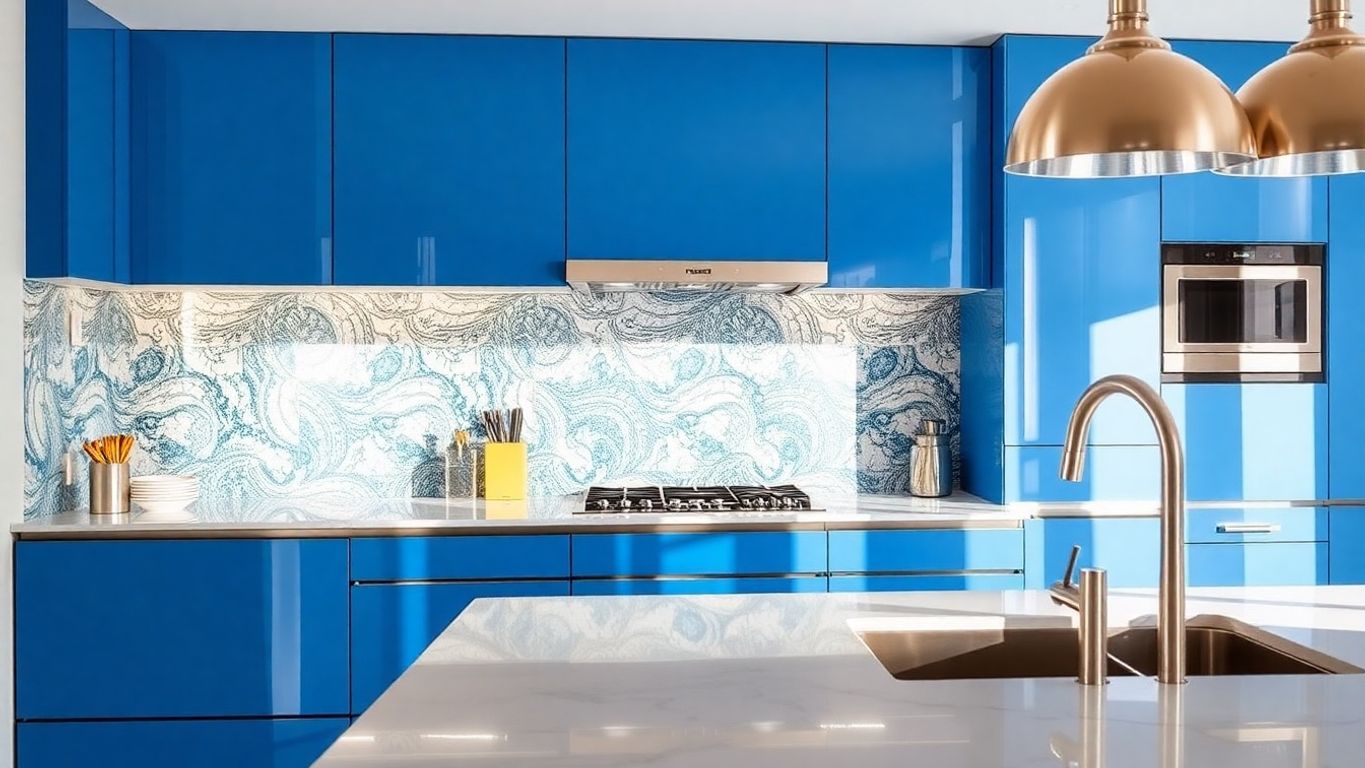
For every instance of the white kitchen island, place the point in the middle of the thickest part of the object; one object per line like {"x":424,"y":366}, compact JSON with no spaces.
{"x":783,"y":680}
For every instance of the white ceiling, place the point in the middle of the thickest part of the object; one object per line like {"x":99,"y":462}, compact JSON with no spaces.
{"x":901,"y":21}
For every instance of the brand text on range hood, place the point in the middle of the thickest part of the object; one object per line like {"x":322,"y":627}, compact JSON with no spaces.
{"x":606,"y":275}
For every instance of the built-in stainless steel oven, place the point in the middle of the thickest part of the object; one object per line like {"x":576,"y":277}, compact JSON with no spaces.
{"x":1241,"y":312}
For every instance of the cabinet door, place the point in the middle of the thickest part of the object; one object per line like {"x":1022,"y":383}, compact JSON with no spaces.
{"x":909,"y":166}
{"x":1261,"y":442}
{"x":91,"y":98}
{"x":198,"y":743}
{"x":449,"y":160}
{"x":198,"y":628}
{"x":232,"y":157}
{"x":699,"y":554}
{"x":1112,"y":473}
{"x":984,"y":582}
{"x":1346,"y":339}
{"x":926,"y":551}
{"x":1205,"y":207}
{"x":1128,"y":547}
{"x":1347,"y":552}
{"x":1082,"y":267}
{"x":393,"y":623}
{"x":697,"y":150}
{"x":735,"y":586}
{"x":1255,"y":565}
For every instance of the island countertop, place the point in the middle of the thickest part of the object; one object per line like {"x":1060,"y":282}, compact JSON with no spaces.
{"x":783,"y":680}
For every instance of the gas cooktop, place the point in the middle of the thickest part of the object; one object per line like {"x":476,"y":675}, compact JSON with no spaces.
{"x":713,"y":498}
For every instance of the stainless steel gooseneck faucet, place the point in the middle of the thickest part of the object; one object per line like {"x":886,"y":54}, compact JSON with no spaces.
{"x":1170,"y":619}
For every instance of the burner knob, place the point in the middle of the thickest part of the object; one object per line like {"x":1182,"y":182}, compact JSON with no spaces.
{"x":788,"y":504}
{"x":717,"y":504}
{"x":746,"y":504}
{"x":623,"y":504}
{"x":674,"y":504}
{"x":761,"y":503}
{"x":603,"y":504}
{"x":696,"y":504}
{"x":646,"y":505}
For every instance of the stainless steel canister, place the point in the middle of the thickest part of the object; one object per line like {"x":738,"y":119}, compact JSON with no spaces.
{"x":931,"y":461}
{"x":109,"y":489}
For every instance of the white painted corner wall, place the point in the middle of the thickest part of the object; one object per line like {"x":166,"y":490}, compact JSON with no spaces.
{"x":12,"y":241}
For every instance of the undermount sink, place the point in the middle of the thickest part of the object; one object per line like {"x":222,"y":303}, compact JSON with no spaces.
{"x":991,"y":648}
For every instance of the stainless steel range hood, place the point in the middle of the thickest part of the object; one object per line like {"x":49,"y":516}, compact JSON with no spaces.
{"x":610,"y":275}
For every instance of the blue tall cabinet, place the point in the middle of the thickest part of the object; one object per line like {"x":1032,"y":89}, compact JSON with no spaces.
{"x":1075,"y":279}
{"x":702,"y":150}
{"x":449,"y":160}
{"x":231,"y":144}
{"x":1346,"y":340}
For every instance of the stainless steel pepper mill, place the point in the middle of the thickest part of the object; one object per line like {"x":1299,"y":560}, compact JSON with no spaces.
{"x":931,"y":461}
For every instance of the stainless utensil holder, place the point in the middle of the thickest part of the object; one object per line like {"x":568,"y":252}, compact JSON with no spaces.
{"x":109,"y":489}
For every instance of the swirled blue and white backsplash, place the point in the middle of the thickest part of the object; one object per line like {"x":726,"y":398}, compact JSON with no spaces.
{"x":355,"y":394}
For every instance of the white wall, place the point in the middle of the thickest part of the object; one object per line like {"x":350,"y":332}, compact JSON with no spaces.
{"x":11,"y":339}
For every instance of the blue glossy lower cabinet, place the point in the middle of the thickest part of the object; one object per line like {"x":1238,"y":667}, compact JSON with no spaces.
{"x":281,"y":743}
{"x":391,"y":624}
{"x":1256,"y":565}
{"x":719,"y":586}
{"x":756,"y":553}
{"x":1347,"y":558}
{"x":203,"y":628}
{"x":921,"y":551}
{"x":1128,"y":547}
{"x":929,"y":583}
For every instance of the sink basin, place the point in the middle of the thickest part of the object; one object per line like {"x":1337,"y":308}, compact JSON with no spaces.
{"x":1215,"y":645}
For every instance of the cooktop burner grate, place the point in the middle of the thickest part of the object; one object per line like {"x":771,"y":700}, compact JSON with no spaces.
{"x":712,"y":498}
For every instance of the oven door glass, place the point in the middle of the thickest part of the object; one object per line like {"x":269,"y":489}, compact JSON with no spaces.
{"x":1243,"y":311}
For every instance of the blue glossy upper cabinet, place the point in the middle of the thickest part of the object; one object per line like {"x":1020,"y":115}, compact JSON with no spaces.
{"x":1081,"y":269}
{"x":449,"y":160}
{"x":1346,"y":340}
{"x":1205,"y":207}
{"x":909,"y":166}
{"x":96,"y":145}
{"x":231,"y":150}
{"x":696,"y":150}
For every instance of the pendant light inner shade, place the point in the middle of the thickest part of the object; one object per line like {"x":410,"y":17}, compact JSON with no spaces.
{"x":1129,"y":107}
{"x":1308,"y":108}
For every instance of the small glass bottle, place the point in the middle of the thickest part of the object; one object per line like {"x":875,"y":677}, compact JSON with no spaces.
{"x":462,"y":471}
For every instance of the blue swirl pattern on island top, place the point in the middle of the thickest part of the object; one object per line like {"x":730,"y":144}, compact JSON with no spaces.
{"x":354,"y":394}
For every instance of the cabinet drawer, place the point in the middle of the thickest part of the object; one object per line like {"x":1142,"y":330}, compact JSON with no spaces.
{"x":393,"y":623}
{"x":926,"y":551}
{"x":1253,"y":565}
{"x":738,"y":586}
{"x":205,"y":628}
{"x":279,"y":743}
{"x":987,"y":582}
{"x":459,"y":557}
{"x":698,"y":554}
{"x":1252,"y":524}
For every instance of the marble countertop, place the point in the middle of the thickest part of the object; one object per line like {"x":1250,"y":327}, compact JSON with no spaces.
{"x":783,"y":680}
{"x":330,"y":517}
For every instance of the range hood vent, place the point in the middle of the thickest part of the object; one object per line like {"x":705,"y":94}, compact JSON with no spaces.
{"x":610,"y":275}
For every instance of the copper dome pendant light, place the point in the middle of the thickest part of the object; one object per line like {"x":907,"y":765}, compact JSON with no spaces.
{"x":1129,"y":107}
{"x":1308,"y":108}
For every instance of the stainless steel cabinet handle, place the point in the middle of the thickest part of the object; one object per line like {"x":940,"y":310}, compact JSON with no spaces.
{"x":1248,"y":528}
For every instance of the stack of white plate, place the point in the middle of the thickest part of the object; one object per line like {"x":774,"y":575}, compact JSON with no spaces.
{"x":164,"y":495}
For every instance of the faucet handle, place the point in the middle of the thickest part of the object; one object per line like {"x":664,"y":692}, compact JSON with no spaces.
{"x":1071,"y":566}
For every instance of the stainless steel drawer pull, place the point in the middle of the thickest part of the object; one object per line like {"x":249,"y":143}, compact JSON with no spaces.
{"x":1248,"y":528}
